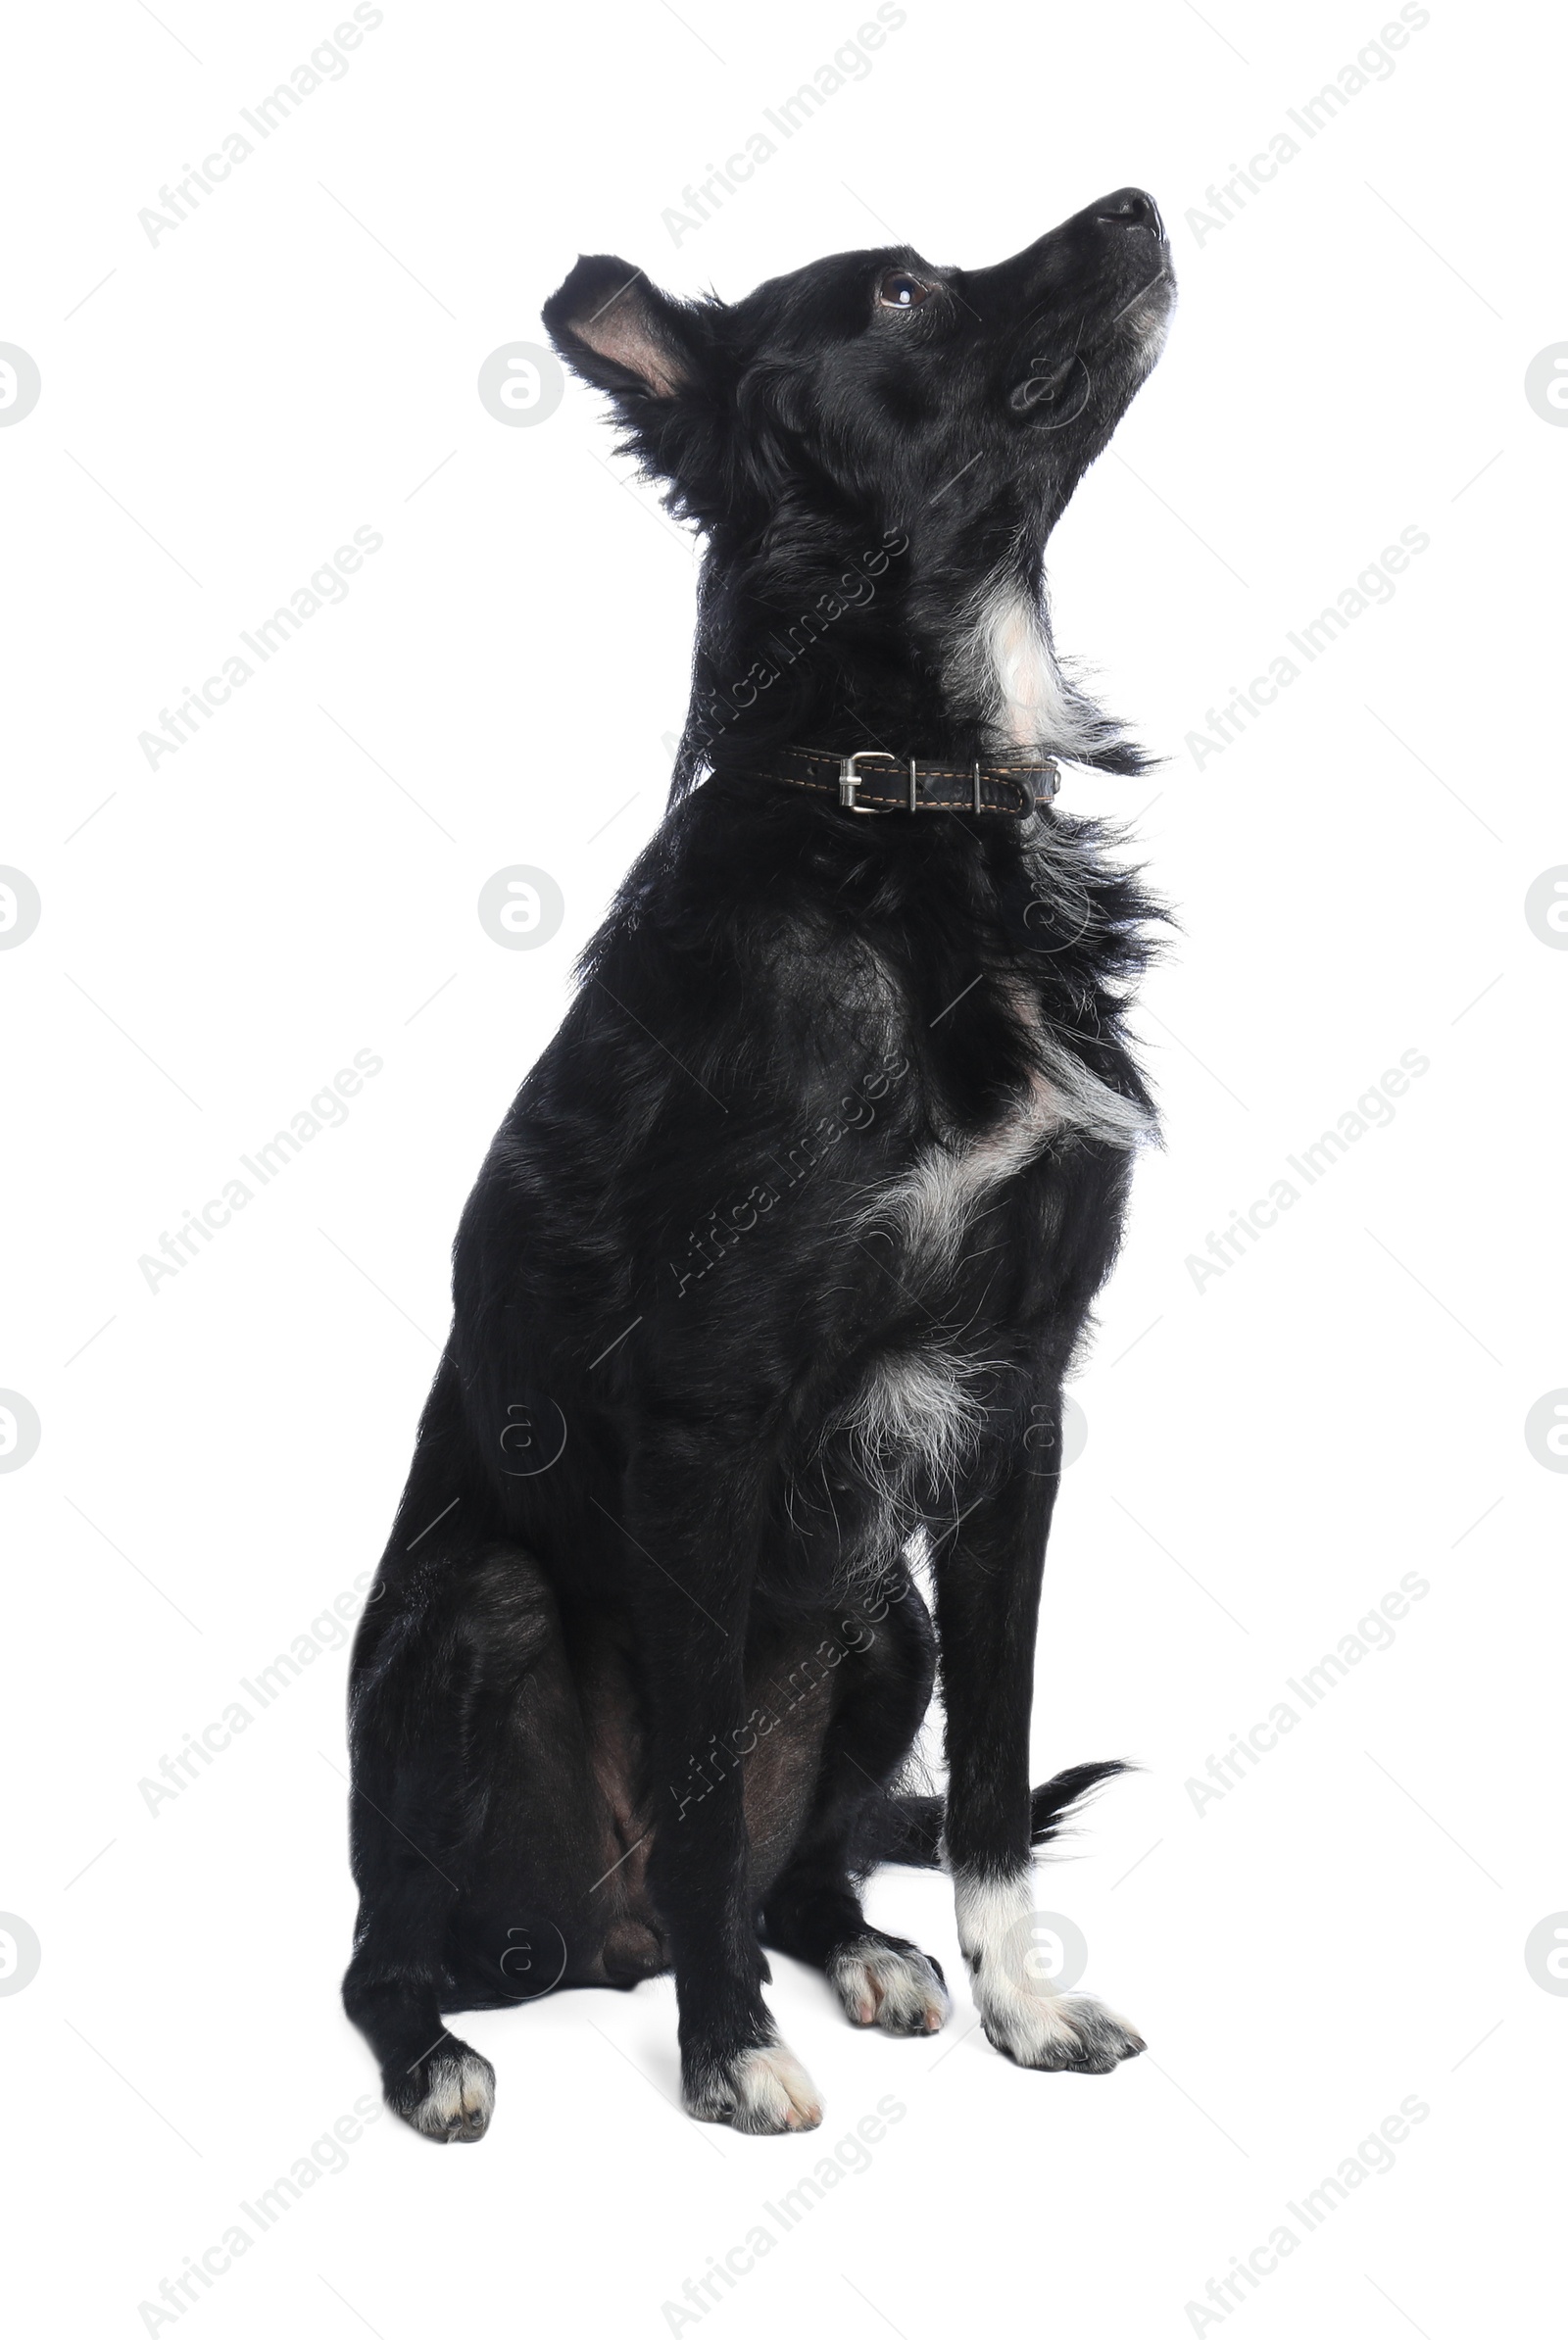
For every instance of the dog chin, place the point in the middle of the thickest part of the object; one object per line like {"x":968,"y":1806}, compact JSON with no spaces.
{"x":1150,"y":322}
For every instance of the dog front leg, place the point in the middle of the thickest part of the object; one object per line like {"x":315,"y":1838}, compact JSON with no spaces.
{"x":988,"y":1603}
{"x":691,"y":1606}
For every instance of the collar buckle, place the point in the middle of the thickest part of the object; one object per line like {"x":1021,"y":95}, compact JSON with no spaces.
{"x":849,"y":779}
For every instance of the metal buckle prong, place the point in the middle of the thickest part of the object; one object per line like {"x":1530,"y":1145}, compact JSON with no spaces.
{"x":850,"y":780}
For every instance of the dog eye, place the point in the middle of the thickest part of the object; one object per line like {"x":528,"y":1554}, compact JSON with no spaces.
{"x":900,"y":290}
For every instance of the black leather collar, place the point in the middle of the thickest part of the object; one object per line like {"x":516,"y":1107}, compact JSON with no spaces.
{"x":872,"y":780}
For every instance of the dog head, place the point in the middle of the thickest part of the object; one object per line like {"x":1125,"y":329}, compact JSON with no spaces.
{"x":876,"y":397}
{"x":879,"y":381}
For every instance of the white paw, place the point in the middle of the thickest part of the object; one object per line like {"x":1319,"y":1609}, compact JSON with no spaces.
{"x":764,"y":2091}
{"x":1051,"y":2035}
{"x":897,"y":1987}
{"x":449,"y":2095}
{"x":1024,"y":2018}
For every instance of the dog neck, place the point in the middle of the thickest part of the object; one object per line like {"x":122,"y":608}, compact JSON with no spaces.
{"x":891,"y":643}
{"x":1002,"y":669}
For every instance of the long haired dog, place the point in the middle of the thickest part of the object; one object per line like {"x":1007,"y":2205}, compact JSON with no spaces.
{"x":767,"y":1289}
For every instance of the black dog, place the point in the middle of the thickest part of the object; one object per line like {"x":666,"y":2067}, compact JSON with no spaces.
{"x":772,"y":1276}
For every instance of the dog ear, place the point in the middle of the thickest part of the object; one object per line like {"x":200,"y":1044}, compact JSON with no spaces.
{"x":623,"y":334}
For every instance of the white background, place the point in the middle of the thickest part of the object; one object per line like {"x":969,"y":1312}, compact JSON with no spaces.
{"x":1267,"y":1456}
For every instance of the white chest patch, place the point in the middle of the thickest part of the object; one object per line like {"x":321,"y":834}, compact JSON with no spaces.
{"x":922,"y":1410}
{"x":1003,"y":669}
{"x":929,"y":1207}
{"x":1030,"y":703}
{"x":921,"y":1406}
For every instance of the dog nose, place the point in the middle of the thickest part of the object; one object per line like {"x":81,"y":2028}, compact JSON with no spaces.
{"x":1130,"y":206}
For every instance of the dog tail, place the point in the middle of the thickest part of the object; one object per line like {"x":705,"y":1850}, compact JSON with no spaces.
{"x":908,"y":1829}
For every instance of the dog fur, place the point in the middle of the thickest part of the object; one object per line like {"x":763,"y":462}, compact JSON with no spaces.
{"x":774,"y":1271}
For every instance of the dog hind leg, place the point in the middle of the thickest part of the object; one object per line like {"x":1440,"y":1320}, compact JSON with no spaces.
{"x":434,"y":1653}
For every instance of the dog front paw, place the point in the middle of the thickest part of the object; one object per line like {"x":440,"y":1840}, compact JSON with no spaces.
{"x":1053,"y":2034}
{"x":889,"y":1984}
{"x":450,"y":2094}
{"x":762,"y":2091}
